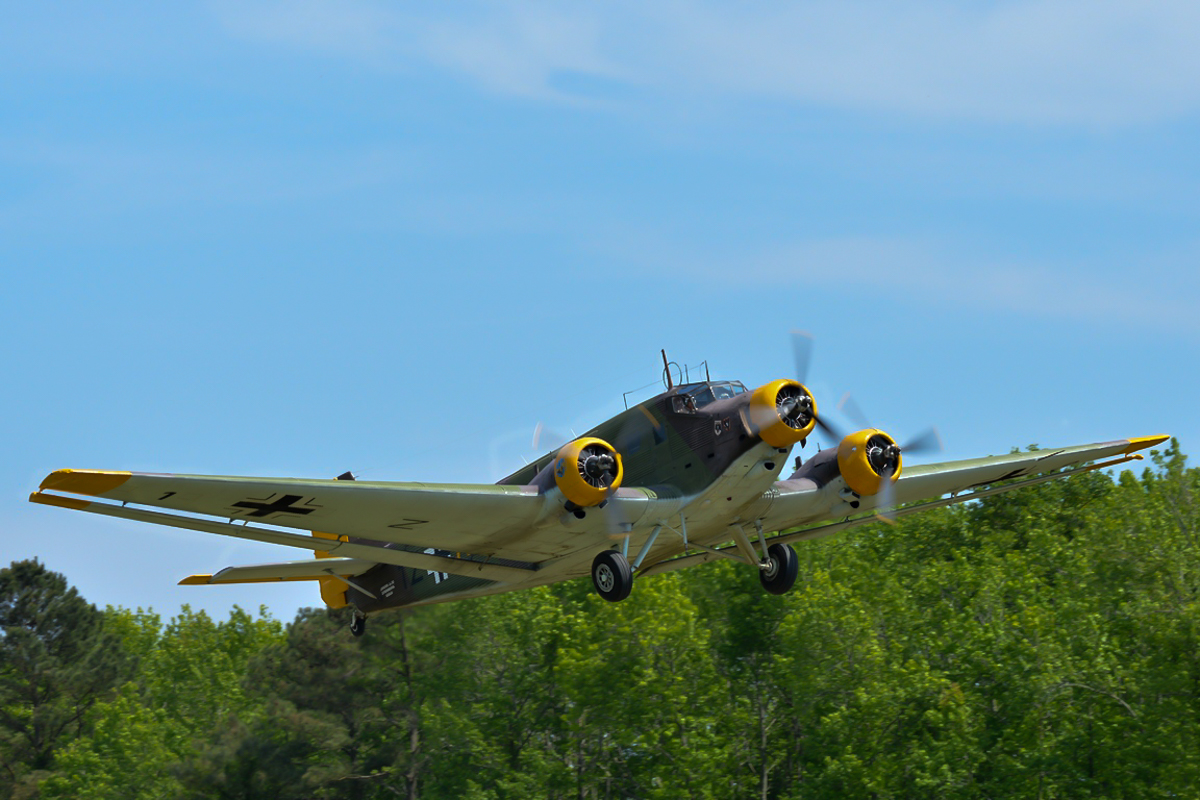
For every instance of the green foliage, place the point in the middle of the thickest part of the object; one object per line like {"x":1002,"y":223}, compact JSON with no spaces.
{"x":196,"y":670}
{"x":126,"y":755}
{"x":1041,"y":643}
{"x":191,"y":678}
{"x":56,"y":661}
{"x":490,"y":702}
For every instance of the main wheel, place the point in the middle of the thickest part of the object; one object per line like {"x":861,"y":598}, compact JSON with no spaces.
{"x":612,"y":576}
{"x":358,"y":625}
{"x":780,"y":572}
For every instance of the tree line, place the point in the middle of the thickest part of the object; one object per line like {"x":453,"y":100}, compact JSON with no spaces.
{"x":1041,"y":643}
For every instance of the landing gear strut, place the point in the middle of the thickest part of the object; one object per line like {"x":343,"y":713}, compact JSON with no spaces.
{"x":612,"y":576}
{"x":778,"y":573}
{"x":358,"y":624}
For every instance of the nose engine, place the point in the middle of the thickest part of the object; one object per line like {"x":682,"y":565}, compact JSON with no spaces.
{"x":783,"y":412}
{"x":867,"y":458}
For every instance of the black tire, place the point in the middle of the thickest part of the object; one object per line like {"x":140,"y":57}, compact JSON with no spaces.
{"x":780,"y":574}
{"x":612,"y":576}
{"x":358,"y":625}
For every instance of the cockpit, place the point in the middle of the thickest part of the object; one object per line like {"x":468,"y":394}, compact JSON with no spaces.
{"x":692,"y":397}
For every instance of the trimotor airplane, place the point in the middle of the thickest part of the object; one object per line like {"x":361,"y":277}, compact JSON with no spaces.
{"x":690,"y":475}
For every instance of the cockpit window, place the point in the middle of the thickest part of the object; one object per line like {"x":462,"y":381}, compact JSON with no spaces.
{"x":722,"y":391}
{"x":695,"y":396}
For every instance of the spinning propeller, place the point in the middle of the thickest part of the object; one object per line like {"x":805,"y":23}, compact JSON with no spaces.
{"x":634,"y":429}
{"x":802,"y":347}
{"x":598,"y":464}
{"x":882,"y":453}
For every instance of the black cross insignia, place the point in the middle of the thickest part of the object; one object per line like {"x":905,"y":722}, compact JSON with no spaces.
{"x":283,"y":505}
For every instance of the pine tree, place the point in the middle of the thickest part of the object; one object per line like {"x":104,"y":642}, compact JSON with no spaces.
{"x":56,"y":661}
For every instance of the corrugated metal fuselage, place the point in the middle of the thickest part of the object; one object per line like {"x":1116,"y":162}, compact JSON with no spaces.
{"x":668,"y":444}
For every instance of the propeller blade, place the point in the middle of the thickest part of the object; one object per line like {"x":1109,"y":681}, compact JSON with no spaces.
{"x":886,"y":501}
{"x":802,"y":344}
{"x":849,"y":407}
{"x":541,"y":432}
{"x":607,"y":478}
{"x":834,"y":432}
{"x":928,"y":441}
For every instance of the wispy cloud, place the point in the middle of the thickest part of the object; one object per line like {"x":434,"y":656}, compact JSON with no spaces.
{"x":105,"y":180}
{"x":1154,"y":290}
{"x":515,"y":49}
{"x":1089,"y":62}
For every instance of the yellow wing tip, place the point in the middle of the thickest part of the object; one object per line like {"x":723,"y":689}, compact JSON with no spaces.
{"x":196,"y":580}
{"x":73,"y":503}
{"x":1142,"y":442}
{"x":84,"y":481}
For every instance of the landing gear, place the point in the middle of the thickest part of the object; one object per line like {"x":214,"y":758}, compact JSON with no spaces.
{"x":613,"y":577}
{"x":779,"y":572}
{"x":358,"y":624}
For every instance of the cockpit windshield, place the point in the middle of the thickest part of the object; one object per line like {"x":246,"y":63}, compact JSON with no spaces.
{"x":694,"y":396}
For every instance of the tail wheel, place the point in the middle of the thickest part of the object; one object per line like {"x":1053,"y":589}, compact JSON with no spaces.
{"x":779,"y":574}
{"x":612,"y":576}
{"x":358,"y":625}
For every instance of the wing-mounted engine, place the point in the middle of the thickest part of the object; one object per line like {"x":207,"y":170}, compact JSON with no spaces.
{"x":782,"y":412}
{"x":867,"y":458}
{"x":587,"y":471}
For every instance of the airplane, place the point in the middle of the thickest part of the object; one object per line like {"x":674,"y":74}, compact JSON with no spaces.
{"x":691,"y":475}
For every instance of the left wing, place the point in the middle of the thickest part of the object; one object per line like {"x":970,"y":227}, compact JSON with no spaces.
{"x":798,"y":502}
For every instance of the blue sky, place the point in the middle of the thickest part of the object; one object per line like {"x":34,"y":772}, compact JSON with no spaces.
{"x":267,"y":238}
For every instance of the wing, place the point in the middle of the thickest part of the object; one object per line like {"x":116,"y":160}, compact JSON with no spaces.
{"x":803,"y":501}
{"x":496,"y":532}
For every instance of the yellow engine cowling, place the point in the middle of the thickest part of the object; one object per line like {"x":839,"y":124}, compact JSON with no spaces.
{"x":783,"y":412}
{"x":587,"y":471}
{"x":864,"y":457}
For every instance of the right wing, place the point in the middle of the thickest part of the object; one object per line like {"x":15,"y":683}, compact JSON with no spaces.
{"x":484,"y":530}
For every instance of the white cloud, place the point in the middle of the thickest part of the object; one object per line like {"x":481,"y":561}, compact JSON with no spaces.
{"x":1090,"y":62}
